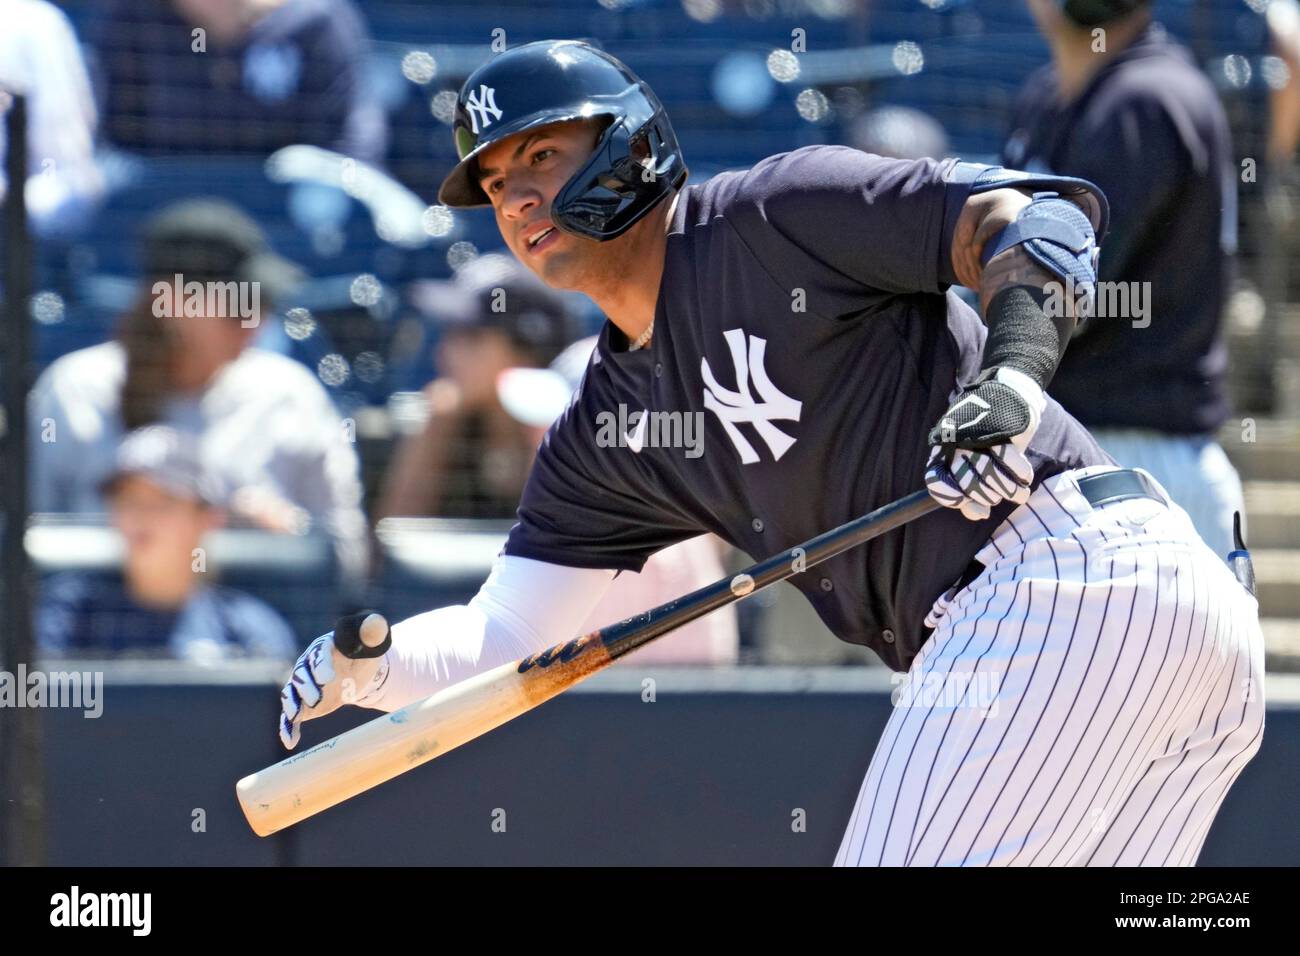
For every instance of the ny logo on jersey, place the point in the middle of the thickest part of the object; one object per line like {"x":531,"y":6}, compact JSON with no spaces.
{"x":740,"y":405}
{"x":481,"y":105}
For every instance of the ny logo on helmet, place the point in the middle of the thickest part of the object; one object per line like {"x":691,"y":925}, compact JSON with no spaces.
{"x":480,"y":105}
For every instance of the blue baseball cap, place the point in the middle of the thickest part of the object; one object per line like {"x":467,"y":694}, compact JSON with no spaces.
{"x":169,"y":458}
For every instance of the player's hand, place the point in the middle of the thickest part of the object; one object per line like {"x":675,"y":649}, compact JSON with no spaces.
{"x":977,"y":458}
{"x":267,"y":509}
{"x":336,"y":669}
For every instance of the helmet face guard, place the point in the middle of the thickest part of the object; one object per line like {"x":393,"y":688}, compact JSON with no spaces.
{"x":635,"y":165}
{"x":636,"y":162}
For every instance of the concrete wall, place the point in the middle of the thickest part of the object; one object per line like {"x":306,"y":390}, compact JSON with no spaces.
{"x":711,"y":772}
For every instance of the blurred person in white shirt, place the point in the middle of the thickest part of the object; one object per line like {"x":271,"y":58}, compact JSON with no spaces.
{"x":40,"y":59}
{"x":265,"y":425}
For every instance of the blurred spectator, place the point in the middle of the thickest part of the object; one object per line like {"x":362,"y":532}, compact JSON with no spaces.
{"x":40,"y":59}
{"x":238,"y":77}
{"x":899,"y":132}
{"x":1271,"y":228}
{"x":1146,"y":373}
{"x":1283,"y":20}
{"x":265,"y":425}
{"x":471,"y":457}
{"x":163,"y":503}
{"x":536,"y":397}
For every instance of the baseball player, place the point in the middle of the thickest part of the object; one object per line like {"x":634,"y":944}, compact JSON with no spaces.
{"x":1138,"y":118}
{"x":1081,"y":673}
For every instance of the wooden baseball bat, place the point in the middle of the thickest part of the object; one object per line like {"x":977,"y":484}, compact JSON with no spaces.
{"x":316,"y":779}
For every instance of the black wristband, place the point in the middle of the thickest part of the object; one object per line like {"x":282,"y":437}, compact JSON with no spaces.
{"x":347,"y":637}
{"x":1022,"y":336}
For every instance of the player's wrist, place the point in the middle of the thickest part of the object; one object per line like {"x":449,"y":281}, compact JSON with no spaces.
{"x":1021,"y":334}
{"x":362,"y":642}
{"x":370,"y":692}
{"x":1023,"y":385}
{"x":1026,"y":389}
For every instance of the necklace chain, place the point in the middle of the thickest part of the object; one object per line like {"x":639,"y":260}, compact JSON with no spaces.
{"x":644,"y":337}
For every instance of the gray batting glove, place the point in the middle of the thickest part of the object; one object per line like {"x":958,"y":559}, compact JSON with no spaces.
{"x":337,"y":668}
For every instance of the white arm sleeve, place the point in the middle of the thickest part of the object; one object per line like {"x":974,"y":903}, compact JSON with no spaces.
{"x":525,"y":606}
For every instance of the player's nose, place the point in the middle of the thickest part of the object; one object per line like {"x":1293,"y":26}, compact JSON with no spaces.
{"x":519,"y":201}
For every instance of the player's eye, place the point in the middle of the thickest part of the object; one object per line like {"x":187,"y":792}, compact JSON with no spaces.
{"x":494,"y":186}
{"x":542,"y":154}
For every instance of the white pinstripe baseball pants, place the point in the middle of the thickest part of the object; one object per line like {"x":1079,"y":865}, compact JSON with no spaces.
{"x":1087,"y":700}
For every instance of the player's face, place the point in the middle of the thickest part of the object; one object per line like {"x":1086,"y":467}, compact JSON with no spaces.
{"x":522,"y":175}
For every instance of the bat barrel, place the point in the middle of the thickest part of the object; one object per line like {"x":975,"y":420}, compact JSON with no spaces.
{"x":366,"y":756}
{"x":342,"y":767}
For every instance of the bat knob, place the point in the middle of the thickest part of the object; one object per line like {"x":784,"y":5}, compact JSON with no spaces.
{"x":363,"y":635}
{"x":374,"y":630}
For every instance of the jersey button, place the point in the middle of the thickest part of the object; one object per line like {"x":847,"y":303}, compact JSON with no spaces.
{"x":659,"y":369}
{"x":826,"y":584}
{"x":757,"y":524}
{"x":888,"y":635}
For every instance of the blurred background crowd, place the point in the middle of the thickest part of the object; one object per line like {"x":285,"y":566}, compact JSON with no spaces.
{"x":360,"y":434}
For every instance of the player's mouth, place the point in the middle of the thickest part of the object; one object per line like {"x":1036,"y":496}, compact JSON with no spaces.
{"x":541,"y":238}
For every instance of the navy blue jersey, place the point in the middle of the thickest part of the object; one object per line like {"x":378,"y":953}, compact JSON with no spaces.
{"x":295,"y":76}
{"x":90,"y":616}
{"x":804,"y":322}
{"x":1150,"y":131}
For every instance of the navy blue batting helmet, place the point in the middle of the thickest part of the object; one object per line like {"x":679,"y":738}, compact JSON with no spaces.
{"x":636,"y":163}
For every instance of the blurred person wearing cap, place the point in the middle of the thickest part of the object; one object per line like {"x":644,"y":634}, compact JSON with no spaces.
{"x":471,"y":457}
{"x":537,"y":397}
{"x":163,"y":502}
{"x":264,"y":424}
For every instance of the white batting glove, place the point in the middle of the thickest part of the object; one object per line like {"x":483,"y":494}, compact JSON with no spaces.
{"x":977,"y":458}
{"x":337,"y":668}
